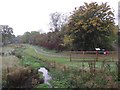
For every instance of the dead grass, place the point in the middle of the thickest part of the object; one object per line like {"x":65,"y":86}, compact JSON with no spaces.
{"x":7,"y":61}
{"x":10,"y":61}
{"x":21,"y":77}
{"x":15,"y":75}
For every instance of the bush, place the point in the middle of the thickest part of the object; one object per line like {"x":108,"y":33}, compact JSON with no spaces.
{"x":23,"y":78}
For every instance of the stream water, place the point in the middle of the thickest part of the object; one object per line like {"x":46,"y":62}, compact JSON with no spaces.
{"x":47,"y":77}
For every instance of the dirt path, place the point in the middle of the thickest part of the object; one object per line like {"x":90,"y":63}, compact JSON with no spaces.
{"x":50,"y":54}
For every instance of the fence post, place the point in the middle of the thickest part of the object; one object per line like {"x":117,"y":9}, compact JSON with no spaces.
{"x":70,"y":56}
{"x":96,"y":55}
{"x":83,"y":55}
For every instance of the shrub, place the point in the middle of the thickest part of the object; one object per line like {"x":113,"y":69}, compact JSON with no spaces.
{"x":22,"y":78}
{"x":92,"y":77}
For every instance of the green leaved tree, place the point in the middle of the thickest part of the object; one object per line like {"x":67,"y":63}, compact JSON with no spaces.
{"x":90,"y":26}
{"x":6,"y":33}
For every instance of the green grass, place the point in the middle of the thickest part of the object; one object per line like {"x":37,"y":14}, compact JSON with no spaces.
{"x":62,"y":60}
{"x":32,"y":52}
{"x":42,"y":86}
{"x":30,"y":61}
{"x":72,"y":77}
{"x":13,"y":63}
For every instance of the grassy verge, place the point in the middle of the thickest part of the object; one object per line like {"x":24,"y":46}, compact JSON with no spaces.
{"x":29,"y":59}
{"x":8,"y":62}
{"x":20,"y":70}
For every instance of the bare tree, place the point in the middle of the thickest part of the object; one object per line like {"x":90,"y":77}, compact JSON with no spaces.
{"x":57,"y":21}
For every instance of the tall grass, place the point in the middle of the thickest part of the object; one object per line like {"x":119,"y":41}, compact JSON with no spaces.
{"x":92,"y":77}
{"x":20,"y":71}
{"x":21,"y":78}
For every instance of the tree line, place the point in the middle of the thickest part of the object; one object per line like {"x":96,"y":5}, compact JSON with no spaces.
{"x":87,"y":27}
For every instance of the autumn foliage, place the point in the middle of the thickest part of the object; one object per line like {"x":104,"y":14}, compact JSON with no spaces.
{"x":89,"y":26}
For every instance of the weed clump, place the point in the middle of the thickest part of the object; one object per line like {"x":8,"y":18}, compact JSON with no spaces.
{"x":23,"y":78}
{"x":91,"y":77}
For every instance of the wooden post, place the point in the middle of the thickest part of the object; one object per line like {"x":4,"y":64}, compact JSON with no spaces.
{"x":97,"y":49}
{"x":83,"y":55}
{"x":94,"y":65}
{"x":97,"y":55}
{"x":70,"y":56}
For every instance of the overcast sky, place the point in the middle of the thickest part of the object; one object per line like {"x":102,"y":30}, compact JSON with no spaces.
{"x":33,"y":15}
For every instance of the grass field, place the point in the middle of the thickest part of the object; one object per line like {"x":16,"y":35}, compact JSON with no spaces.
{"x":77,"y":75}
{"x":62,"y":70}
{"x":63,"y":59}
